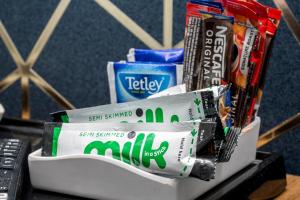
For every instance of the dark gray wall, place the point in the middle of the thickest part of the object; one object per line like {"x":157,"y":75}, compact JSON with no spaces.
{"x":74,"y":60}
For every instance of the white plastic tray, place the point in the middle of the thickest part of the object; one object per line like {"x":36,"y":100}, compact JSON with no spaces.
{"x":104,"y":178}
{"x":2,"y":111}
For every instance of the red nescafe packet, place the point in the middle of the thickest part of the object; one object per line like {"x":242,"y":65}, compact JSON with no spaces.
{"x":249,"y":35}
{"x":274,"y":16}
{"x":268,"y":20}
{"x":255,"y":25}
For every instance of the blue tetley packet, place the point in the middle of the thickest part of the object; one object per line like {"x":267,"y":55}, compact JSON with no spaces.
{"x":135,"y":81}
{"x":157,"y":56}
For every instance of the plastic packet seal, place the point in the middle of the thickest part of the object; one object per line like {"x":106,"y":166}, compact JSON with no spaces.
{"x":207,"y":3}
{"x":222,"y":95}
{"x":193,"y":8}
{"x":178,"y":89}
{"x":182,"y":107}
{"x":212,"y":147}
{"x":207,"y":152}
{"x":135,"y":81}
{"x":156,"y":56}
{"x":225,"y":138}
{"x":217,"y":42}
{"x":231,"y":141}
{"x":223,"y":103}
{"x":206,"y":15}
{"x":218,"y":91}
{"x":204,"y":169}
{"x":164,"y":149}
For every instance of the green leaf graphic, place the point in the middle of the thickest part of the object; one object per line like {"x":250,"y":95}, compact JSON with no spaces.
{"x":197,"y":101}
{"x":193,"y":132}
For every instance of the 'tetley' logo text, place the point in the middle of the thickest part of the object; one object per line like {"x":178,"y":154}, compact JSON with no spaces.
{"x":144,"y":85}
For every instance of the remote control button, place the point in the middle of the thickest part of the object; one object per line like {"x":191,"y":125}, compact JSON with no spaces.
{"x":5,"y":182}
{"x":8,"y":163}
{"x":14,"y":140}
{"x":12,"y":147}
{"x":10,"y":150}
{"x":13,"y":143}
{"x":13,"y":153}
{"x":5,"y":174}
{"x":3,"y":188}
{"x":3,"y":196}
{"x":8,"y":154}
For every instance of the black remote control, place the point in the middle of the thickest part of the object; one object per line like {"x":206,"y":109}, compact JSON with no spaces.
{"x":13,"y":167}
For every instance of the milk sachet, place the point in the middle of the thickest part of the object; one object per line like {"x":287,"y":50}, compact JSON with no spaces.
{"x":181,"y":107}
{"x":168,"y":149}
{"x":191,"y":106}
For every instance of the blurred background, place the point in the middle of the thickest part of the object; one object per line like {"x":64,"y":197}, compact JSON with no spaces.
{"x":63,"y":47}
